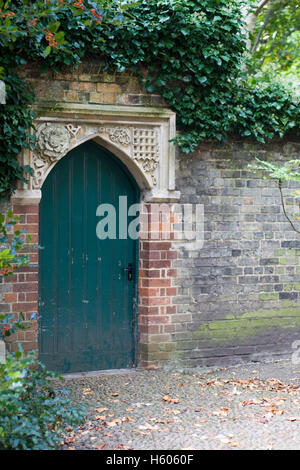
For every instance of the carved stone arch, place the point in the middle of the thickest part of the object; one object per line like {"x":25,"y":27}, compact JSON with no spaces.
{"x":139,"y":137}
{"x":142,"y":179}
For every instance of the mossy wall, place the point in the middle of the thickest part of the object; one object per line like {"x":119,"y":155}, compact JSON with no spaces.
{"x":238,"y":295}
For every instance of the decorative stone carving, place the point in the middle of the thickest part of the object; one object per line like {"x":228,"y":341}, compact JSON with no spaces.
{"x":119,"y":135}
{"x":72,"y":129}
{"x":40,"y":167}
{"x":140,"y":139}
{"x":53,"y":140}
{"x":146,"y":150}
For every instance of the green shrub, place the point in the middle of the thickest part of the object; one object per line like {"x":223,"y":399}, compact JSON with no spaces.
{"x":10,"y":261}
{"x":191,"y":52}
{"x":33,"y":415}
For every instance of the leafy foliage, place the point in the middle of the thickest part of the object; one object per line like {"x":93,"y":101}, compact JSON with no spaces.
{"x":9,"y":324}
{"x":276,"y":37}
{"x":10,"y":260}
{"x":13,"y":242}
{"x":33,"y":415}
{"x":191,"y":52}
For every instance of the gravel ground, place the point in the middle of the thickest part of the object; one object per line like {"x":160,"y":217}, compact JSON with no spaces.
{"x":252,"y":406}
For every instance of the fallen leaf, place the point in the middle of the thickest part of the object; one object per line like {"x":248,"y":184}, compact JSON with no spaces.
{"x":127,"y":418}
{"x":234,"y":444}
{"x":221,"y":412}
{"x":100,"y":447}
{"x":110,"y":424}
{"x":252,"y":402}
{"x":170,"y":400}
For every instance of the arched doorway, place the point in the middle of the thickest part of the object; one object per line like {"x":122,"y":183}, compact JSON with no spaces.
{"x":87,"y":298}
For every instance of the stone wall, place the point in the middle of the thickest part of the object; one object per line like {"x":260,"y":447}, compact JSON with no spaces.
{"x":238,"y":297}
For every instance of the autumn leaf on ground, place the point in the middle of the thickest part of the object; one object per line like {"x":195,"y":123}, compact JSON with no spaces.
{"x":100,"y":447}
{"x":274,"y":411}
{"x":221,"y":412}
{"x":170,"y":420}
{"x":115,"y":394}
{"x":169,"y":399}
{"x":100,"y":417}
{"x":110,"y":424}
{"x":127,"y":418}
{"x":234,"y":444}
{"x":252,"y":401}
{"x":100,"y":410}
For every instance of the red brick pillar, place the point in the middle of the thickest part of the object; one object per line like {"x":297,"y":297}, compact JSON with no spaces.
{"x":23,"y":290}
{"x":156,"y":286}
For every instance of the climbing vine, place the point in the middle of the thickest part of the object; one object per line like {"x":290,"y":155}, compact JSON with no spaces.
{"x":189,"y":51}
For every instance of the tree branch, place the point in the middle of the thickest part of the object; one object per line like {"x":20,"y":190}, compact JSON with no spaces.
{"x":260,"y":6}
{"x":261,"y":30}
{"x":251,"y":18}
{"x":268,"y":17}
{"x":283,"y":207}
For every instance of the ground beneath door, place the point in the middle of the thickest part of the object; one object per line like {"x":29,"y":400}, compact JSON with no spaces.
{"x":253,"y":406}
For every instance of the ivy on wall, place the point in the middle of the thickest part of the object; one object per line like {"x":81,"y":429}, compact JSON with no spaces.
{"x":189,"y":51}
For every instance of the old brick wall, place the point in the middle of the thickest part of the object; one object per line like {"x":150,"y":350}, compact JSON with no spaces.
{"x":235,"y":299}
{"x":238,"y":297}
{"x":89,"y":84}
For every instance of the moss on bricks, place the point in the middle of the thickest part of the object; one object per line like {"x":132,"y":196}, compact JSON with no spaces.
{"x":232,"y":329}
{"x":268,"y":297}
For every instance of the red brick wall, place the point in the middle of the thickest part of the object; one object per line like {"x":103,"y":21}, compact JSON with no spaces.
{"x":156,"y":288}
{"x":23,"y":285}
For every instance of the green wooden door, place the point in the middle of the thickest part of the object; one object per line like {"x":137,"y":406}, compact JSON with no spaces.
{"x":86,"y":302}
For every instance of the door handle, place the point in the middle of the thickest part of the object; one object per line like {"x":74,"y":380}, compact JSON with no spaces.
{"x":129,"y":271}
